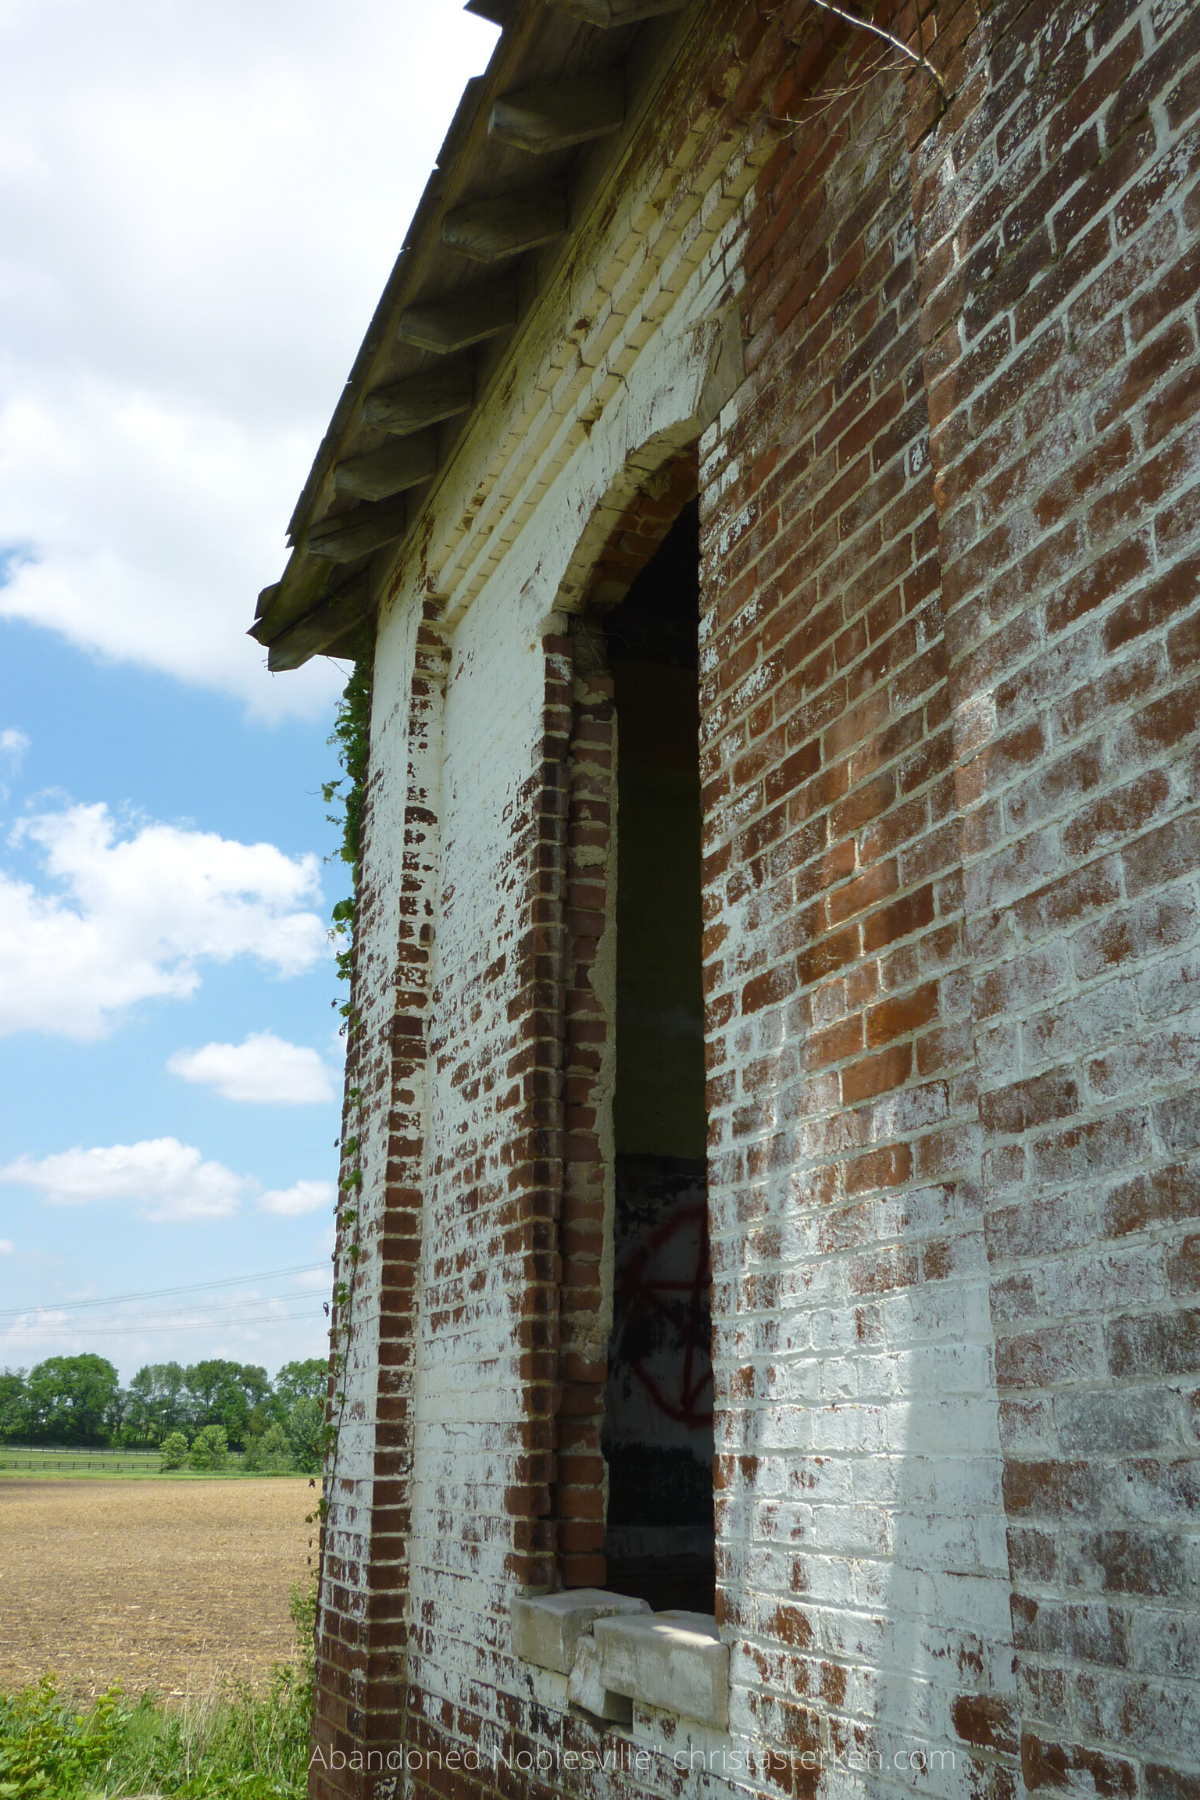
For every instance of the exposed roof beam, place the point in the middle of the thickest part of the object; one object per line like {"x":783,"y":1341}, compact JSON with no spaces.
{"x":554,"y":118}
{"x":378,"y":474}
{"x":357,"y":533}
{"x":287,"y":600}
{"x":266,"y":599}
{"x":319,"y":630}
{"x":494,"y":11}
{"x":422,"y":400}
{"x":423,"y":307}
{"x":607,"y":13}
{"x":461,"y":319}
{"x":506,"y":225}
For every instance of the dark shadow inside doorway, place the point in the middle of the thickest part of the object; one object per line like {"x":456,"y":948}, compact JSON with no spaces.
{"x":658,"y":1431}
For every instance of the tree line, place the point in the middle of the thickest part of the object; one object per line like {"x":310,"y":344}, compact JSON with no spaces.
{"x":78,"y":1401}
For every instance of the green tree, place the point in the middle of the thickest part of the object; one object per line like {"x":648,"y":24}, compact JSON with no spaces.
{"x":305,"y":1380}
{"x":210,"y":1448}
{"x":155,"y":1403}
{"x":270,"y":1454}
{"x":306,"y":1434}
{"x":172,"y":1452}
{"x":14,"y":1406}
{"x":255,"y":1383}
{"x":74,"y":1400}
{"x":228,"y":1394}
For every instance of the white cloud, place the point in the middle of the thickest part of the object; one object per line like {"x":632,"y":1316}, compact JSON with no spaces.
{"x":13,"y":745}
{"x":293,"y":1202}
{"x":317,"y":1280}
{"x":201,"y":203}
{"x":263,"y":1068}
{"x":136,"y":916}
{"x":146,"y":534}
{"x":167,"y":1181}
{"x":6,"y":1246}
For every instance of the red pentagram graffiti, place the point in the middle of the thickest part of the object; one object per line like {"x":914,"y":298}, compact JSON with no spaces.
{"x":658,"y":1310}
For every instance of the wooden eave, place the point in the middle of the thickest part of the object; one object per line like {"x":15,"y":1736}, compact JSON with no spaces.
{"x":540,"y":45}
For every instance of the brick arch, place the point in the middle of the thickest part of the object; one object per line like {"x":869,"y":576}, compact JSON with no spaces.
{"x":626,"y":526}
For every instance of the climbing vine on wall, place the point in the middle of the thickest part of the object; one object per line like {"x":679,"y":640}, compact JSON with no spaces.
{"x":351,"y":736}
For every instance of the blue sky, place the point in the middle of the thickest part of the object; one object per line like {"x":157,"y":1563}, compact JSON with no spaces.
{"x":201,"y":204}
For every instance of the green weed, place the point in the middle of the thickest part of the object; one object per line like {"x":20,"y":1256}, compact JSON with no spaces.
{"x":48,"y":1749}
{"x":235,"y":1744}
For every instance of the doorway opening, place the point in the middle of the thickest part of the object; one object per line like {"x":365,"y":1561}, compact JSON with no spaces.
{"x":657,"y":1435}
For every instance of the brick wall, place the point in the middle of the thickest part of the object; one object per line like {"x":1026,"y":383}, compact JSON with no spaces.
{"x":1057,"y":238}
{"x":585,"y":1224}
{"x":487,"y":1328}
{"x":362,"y":1618}
{"x":861,"y":1558}
{"x":948,"y":745}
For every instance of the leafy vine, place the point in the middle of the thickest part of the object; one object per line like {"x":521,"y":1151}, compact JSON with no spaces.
{"x":351,"y":736}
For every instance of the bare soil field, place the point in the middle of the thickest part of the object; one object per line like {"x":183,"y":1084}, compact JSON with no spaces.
{"x":172,"y":1586}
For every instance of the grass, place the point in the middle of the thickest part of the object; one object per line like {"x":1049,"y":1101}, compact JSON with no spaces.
{"x":114,"y":1465}
{"x":233,"y":1745}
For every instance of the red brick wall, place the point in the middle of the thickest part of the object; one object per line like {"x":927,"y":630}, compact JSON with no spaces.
{"x":587,"y":1093}
{"x":860,"y":1545}
{"x":1057,"y":228}
{"x":362,"y":1618}
{"x":487,"y":1329}
{"x":949,"y":714}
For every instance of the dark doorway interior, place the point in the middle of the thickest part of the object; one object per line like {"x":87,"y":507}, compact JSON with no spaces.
{"x":658,"y":1433}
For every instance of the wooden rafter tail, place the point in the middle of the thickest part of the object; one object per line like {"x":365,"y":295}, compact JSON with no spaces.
{"x":426,"y":399}
{"x":558,"y":117}
{"x":509,"y":224}
{"x":460,"y":320}
{"x":378,"y":474}
{"x":608,"y":13}
{"x":358,"y":533}
{"x":339,"y":618}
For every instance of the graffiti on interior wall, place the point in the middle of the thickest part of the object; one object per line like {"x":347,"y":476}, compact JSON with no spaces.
{"x":662,"y":1305}
{"x":658,"y":1429}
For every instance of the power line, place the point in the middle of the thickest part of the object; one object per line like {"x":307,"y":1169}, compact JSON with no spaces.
{"x":51,"y":1316}
{"x":193,"y":1287}
{"x":44,"y":1317}
{"x":207,"y":1324}
{"x":180,"y":1325}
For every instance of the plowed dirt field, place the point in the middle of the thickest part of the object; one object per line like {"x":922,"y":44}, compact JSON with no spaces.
{"x":167,"y":1585}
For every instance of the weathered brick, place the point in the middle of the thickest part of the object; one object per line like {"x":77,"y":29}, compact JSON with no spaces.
{"x":1154,"y":1344}
{"x":948,"y":723}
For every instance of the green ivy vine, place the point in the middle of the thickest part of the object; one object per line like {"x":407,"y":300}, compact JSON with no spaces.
{"x":351,"y":737}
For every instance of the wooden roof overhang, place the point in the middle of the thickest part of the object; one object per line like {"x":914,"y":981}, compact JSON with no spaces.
{"x":527,"y":153}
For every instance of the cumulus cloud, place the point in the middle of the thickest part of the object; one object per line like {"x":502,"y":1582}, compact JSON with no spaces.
{"x":145,"y":535}
{"x":263,"y":1068}
{"x":201,"y":203}
{"x":294,"y":1202}
{"x":168,"y":1181}
{"x":13,"y":745}
{"x":135,"y":915}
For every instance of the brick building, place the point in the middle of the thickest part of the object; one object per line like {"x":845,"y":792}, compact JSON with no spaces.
{"x":771,"y":479}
